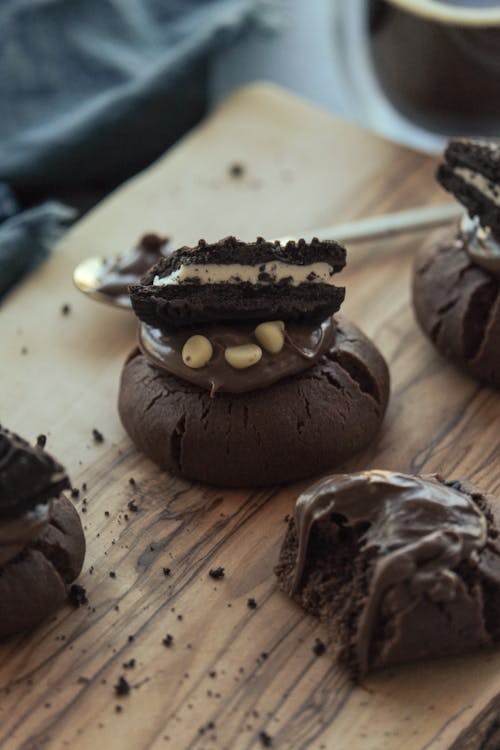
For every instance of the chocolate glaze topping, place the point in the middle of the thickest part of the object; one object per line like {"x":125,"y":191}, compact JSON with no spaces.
{"x":305,"y":343}
{"x":28,"y":476}
{"x":481,"y":247}
{"x":414,"y":529}
{"x":131,"y":266}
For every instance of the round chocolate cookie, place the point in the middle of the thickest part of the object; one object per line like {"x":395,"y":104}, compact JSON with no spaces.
{"x":457,"y":304}
{"x":300,"y":426}
{"x":34,"y":583}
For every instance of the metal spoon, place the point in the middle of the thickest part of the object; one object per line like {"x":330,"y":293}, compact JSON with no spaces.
{"x":88,"y":275}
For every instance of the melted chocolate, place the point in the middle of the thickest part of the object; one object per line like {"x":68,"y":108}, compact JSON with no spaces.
{"x":17,"y":533}
{"x":481,"y":247}
{"x":130,"y":267}
{"x":417,"y":529}
{"x":304,"y":344}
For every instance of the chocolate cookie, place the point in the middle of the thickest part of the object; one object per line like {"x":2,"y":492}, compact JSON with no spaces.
{"x":399,"y":567}
{"x":457,"y":304}
{"x":42,"y":545}
{"x":471,"y":171}
{"x":304,"y":424}
{"x":232,"y":280}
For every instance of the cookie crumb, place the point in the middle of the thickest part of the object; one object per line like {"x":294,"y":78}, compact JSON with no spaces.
{"x":98,"y":436}
{"x":132,"y":506}
{"x":131,"y":638}
{"x":77,"y":595}
{"x":130,"y":664}
{"x":118,"y":708}
{"x":168,"y":640}
{"x":265,"y":739}
{"x":216,"y":572}
{"x":122,"y":687}
{"x":166,"y":571}
{"x":75,"y":492}
{"x":236,"y":170}
{"x":132,"y":481}
{"x":41,"y":441}
{"x":112,"y":574}
{"x":319,"y":647}
{"x":65,"y":309}
{"x":251,"y":603}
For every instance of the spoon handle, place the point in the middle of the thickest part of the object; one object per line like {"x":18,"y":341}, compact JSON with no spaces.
{"x":385,"y":225}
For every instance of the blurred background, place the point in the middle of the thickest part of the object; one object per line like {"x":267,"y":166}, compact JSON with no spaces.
{"x":93,"y":91}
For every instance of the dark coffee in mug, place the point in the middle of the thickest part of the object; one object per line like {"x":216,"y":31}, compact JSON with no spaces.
{"x":442,"y":75}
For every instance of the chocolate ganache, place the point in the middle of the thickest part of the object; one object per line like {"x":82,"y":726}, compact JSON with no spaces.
{"x":305,"y":344}
{"x":416,"y":530}
{"x":129,"y":267}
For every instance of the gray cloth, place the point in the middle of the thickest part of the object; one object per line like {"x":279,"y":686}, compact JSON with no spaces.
{"x":94,"y":90}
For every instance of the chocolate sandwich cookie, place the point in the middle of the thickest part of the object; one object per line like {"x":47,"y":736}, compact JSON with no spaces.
{"x":399,"y":567}
{"x":471,"y":171}
{"x":232,"y":280}
{"x":264,"y":425}
{"x":42,"y":545}
{"x":456,"y":274}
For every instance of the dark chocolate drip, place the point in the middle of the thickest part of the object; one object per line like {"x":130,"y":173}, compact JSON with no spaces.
{"x":417,"y":529}
{"x":131,"y":266}
{"x":305,"y":344}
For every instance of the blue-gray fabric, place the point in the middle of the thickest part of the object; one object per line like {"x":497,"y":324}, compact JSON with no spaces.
{"x":93,"y":90}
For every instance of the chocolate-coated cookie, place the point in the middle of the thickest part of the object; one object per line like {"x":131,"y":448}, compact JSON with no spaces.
{"x":34,"y":583}
{"x":399,"y":567}
{"x":457,"y":304}
{"x":300,"y":426}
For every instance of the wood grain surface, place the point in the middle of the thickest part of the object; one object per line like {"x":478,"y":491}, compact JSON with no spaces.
{"x":233,"y":677}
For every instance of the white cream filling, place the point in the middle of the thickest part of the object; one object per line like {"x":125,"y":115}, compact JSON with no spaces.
{"x":489,"y":189}
{"x":234,"y":273}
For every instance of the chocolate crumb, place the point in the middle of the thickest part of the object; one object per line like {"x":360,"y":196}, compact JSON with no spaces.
{"x":122,"y":687}
{"x":131,"y":638}
{"x":118,"y":708}
{"x":130,"y":664}
{"x":75,"y":492}
{"x":251,"y":603}
{"x":132,"y":481}
{"x":84,"y":487}
{"x":265,"y":739}
{"x":212,"y":674}
{"x":166,"y":571}
{"x":132,"y":506}
{"x":65,"y":309}
{"x":216,"y":572}
{"x":264,"y":655}
{"x":319,"y":647}
{"x":168,"y":640}
{"x":236,"y":170}
{"x":98,"y":436}
{"x":112,"y":574}
{"x":77,"y":595}
{"x":41,"y":441}
{"x":106,"y":513}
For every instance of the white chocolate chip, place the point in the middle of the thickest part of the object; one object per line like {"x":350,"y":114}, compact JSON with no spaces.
{"x":271,"y":336}
{"x":243,"y":356}
{"x":197,"y":352}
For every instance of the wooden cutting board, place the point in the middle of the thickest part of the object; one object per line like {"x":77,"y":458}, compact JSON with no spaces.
{"x":231,"y":672}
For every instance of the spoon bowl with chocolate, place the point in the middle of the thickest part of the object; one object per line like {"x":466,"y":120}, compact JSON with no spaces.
{"x":244,"y":375}
{"x":107,"y":281}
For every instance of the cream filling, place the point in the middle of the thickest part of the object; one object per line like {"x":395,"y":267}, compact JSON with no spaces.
{"x":489,"y":189}
{"x":234,"y":273}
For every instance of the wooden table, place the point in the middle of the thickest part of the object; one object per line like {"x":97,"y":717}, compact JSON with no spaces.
{"x":231,"y":672}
